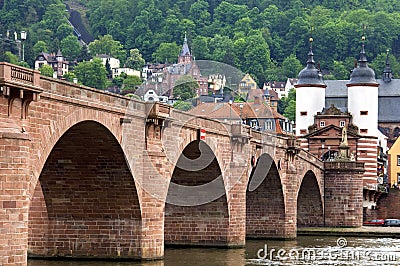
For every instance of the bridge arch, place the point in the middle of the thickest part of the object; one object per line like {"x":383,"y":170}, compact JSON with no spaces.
{"x":265,"y":200}
{"x":196,"y":207}
{"x":85,"y":201}
{"x":310,"y":210}
{"x":51,"y":133}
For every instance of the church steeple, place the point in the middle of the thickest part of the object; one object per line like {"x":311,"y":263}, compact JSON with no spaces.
{"x":185,"y":56}
{"x":387,"y":72}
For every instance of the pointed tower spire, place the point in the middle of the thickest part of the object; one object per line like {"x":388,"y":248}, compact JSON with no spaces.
{"x":362,"y":73}
{"x":185,"y":56}
{"x":363,"y":57}
{"x":310,"y":94}
{"x":310,"y":75}
{"x":387,"y":72}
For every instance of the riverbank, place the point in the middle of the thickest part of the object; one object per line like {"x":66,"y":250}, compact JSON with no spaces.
{"x":363,"y":231}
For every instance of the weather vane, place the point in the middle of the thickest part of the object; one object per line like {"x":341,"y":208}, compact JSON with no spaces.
{"x":311,"y":34}
{"x":363,"y":35}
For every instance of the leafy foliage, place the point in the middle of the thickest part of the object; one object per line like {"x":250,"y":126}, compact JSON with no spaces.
{"x":185,"y":88}
{"x":182,"y":105}
{"x":287,"y":105}
{"x":92,"y":73}
{"x":135,"y":59}
{"x":131,"y":83}
{"x":46,"y":70}
{"x":107,"y":45}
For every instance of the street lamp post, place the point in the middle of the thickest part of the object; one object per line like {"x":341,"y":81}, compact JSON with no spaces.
{"x":23,"y":38}
{"x":19,"y":42}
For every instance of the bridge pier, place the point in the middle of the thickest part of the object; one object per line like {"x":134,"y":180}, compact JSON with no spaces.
{"x":14,"y":200}
{"x":343,"y":194}
{"x":152,"y":238}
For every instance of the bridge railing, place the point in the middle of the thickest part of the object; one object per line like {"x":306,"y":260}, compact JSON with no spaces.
{"x":343,"y":165}
{"x":17,"y":75}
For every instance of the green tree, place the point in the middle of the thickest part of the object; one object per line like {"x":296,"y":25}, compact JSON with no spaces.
{"x":379,"y":63}
{"x":64,"y":30}
{"x":92,"y":73}
{"x":199,"y":13}
{"x":54,"y":17}
{"x":70,"y":47}
{"x":69,"y":76}
{"x":287,"y":105}
{"x":340,"y":71}
{"x":108,"y":68}
{"x":291,"y":66}
{"x":290,"y":111}
{"x":107,"y":45}
{"x":46,"y":70}
{"x":200,"y":47}
{"x":166,"y":52}
{"x":39,"y":47}
{"x":118,"y":81}
{"x":131,"y":83}
{"x":135,"y":59}
{"x":185,"y":88}
{"x":182,"y":105}
{"x":11,"y":58}
{"x":219,"y":47}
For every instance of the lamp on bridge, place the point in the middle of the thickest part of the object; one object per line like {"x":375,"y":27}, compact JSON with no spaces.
{"x":23,"y":38}
{"x":19,"y":42}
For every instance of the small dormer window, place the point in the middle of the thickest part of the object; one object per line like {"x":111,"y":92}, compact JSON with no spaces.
{"x":322,"y":124}
{"x":342,"y":123}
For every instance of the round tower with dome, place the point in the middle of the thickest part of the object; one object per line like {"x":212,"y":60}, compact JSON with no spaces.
{"x":310,"y":94}
{"x":362,"y":92}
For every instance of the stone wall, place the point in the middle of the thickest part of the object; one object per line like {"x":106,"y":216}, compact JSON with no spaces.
{"x":343,"y":194}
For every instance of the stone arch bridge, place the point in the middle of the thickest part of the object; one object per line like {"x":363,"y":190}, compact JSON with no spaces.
{"x":86,"y":173}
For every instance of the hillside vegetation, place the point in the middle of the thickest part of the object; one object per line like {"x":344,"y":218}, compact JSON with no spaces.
{"x":267,"y":38}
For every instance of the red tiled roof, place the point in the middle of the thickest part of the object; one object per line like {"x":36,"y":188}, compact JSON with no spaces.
{"x":274,"y":95}
{"x":223,"y":110}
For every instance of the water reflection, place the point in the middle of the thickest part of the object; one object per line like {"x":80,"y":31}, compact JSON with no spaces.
{"x":248,"y":256}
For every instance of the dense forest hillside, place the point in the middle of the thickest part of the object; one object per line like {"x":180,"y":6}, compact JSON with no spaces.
{"x":267,"y":38}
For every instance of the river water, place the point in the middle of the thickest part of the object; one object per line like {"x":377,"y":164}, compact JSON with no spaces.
{"x":305,"y":250}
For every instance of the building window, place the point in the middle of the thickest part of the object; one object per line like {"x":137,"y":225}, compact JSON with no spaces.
{"x":322,"y":124}
{"x":303,"y":131}
{"x":254,"y":124}
{"x":398,"y":178}
{"x":363,"y":112}
{"x":364,"y":131}
{"x":342,"y":123}
{"x":268,"y":125}
{"x":304,"y":113}
{"x":398,"y":160}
